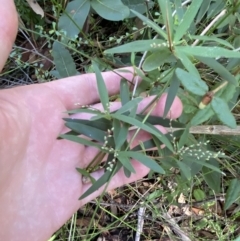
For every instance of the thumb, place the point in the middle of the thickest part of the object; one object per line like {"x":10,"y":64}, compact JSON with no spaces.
{"x":8,"y":29}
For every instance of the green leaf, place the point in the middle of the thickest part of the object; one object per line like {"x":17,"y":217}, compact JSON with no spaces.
{"x":101,"y":124}
{"x":194,"y":164}
{"x":86,"y":130}
{"x":74,"y":17}
{"x":202,"y":11}
{"x":129,"y":105}
{"x":105,"y":178}
{"x":96,"y":185}
{"x":179,"y":9}
{"x":212,"y":167}
{"x":125,"y":161}
{"x":184,"y":137}
{"x":223,"y":113}
{"x":199,"y":194}
{"x":157,"y":59}
{"x":202,"y":116}
{"x":233,"y":193}
{"x":146,"y":145}
{"x":172,"y":92}
{"x":212,"y":39}
{"x":102,"y":89}
{"x":138,"y":46}
{"x":138,"y":5}
{"x":145,"y":126}
{"x":86,"y":174}
{"x":157,"y":120}
{"x":110,"y":10}
{"x":151,"y":24}
{"x":187,"y":19}
{"x":80,"y":140}
{"x":167,"y":17}
{"x":187,"y":63}
{"x":85,"y":110}
{"x":63,"y":61}
{"x":209,"y":52}
{"x":144,"y":159}
{"x":220,"y":69}
{"x":120,"y":133}
{"x":212,"y":178}
{"x":185,"y":170}
{"x":191,"y":83}
{"x":124,"y":91}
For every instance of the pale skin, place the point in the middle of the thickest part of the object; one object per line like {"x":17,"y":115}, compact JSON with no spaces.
{"x":39,"y":184}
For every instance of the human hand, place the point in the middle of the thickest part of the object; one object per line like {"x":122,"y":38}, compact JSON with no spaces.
{"x":39,"y":184}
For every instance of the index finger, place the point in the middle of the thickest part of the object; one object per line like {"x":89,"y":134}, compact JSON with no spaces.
{"x":82,"y":89}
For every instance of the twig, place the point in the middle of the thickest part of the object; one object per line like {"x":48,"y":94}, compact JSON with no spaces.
{"x":141,"y":213}
{"x":211,"y":130}
{"x":176,"y":227}
{"x":205,"y":129}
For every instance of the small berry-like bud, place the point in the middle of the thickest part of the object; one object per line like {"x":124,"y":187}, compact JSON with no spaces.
{"x":207,"y":98}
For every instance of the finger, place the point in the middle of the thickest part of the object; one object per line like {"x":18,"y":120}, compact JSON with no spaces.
{"x":174,"y":112}
{"x":8,"y":28}
{"x":83,"y":89}
{"x":118,"y":180}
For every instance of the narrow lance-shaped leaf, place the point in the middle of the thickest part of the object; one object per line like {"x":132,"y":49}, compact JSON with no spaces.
{"x":111,"y":10}
{"x":172,"y":92}
{"x":101,"y":124}
{"x":187,"y":19}
{"x":129,"y":105}
{"x":209,"y":52}
{"x":186,"y":62}
{"x":185,"y":170}
{"x":212,"y":39}
{"x":138,"y":46}
{"x":218,"y":68}
{"x":156,"y":59}
{"x":80,"y":140}
{"x":91,"y":132}
{"x":74,"y":17}
{"x":151,"y":24}
{"x":126,"y":162}
{"x":147,"y":127}
{"x":138,"y":5}
{"x":96,"y":185}
{"x":120,"y":133}
{"x":223,"y":113}
{"x":86,"y":174}
{"x":191,"y":83}
{"x":233,"y":193}
{"x":104,"y":179}
{"x":212,"y":178}
{"x":124,"y":91}
{"x":167,"y":17}
{"x":145,"y":160}
{"x":102,"y":89}
{"x":63,"y":60}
